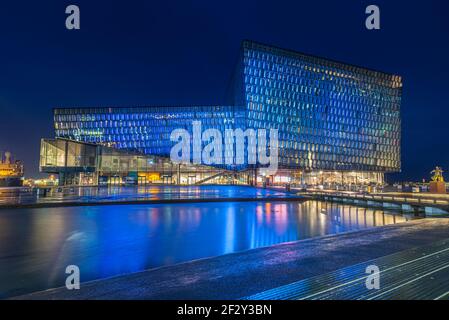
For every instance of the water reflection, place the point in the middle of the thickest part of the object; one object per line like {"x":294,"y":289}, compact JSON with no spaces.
{"x":37,"y":244}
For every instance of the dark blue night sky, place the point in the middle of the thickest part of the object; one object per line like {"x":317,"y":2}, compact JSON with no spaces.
{"x":131,"y":53}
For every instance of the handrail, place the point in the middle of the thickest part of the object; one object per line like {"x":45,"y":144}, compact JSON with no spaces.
{"x":401,"y":199}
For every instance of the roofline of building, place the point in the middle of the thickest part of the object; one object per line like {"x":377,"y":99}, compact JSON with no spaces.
{"x":317,"y":57}
{"x":267,"y":46}
{"x":147,"y":106}
{"x":70,"y":140}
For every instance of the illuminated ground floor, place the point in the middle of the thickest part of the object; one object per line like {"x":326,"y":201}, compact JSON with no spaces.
{"x":326,"y":179}
{"x":172,"y":176}
{"x":84,"y":164}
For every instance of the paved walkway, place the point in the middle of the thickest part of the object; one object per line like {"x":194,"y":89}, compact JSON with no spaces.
{"x":247,"y":273}
{"x":418,"y":273}
{"x":154,"y":194}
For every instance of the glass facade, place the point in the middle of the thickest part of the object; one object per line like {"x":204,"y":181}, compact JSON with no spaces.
{"x":63,"y":153}
{"x":80,"y":163}
{"x":146,"y":129}
{"x":331,"y":117}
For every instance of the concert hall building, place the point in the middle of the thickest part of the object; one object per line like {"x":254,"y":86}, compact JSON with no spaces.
{"x":338,"y":125}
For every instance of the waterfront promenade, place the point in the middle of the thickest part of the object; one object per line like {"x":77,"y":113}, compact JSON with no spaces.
{"x":245,"y":274}
{"x":124,"y":195}
{"x":419,"y":203}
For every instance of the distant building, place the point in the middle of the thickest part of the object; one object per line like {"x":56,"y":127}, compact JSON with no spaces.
{"x":11,"y":172}
{"x":337,"y":123}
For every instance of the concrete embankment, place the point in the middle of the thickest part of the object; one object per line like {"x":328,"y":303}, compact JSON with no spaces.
{"x":152,"y":201}
{"x":242,"y":274}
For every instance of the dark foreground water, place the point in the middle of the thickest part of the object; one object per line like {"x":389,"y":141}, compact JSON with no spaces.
{"x":36,"y":245}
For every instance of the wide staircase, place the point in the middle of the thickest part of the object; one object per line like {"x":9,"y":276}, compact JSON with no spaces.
{"x":221,"y":173}
{"x":419,"y":273}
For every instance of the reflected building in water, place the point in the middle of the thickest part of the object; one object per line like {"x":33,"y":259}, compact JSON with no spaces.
{"x":105,"y":241}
